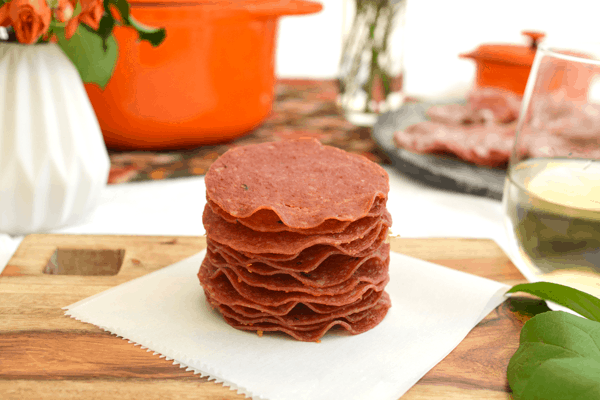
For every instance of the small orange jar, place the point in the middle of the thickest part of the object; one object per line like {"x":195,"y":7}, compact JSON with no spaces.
{"x":210,"y":81}
{"x":505,"y":66}
{"x":508,"y":67}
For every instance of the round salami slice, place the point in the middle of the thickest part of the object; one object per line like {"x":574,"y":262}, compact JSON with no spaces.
{"x":372,"y":271}
{"x":244,"y":239}
{"x":503,"y":104}
{"x":258,"y":310}
{"x":303,"y":318}
{"x":306,"y":260}
{"x":354,"y":323}
{"x":222,"y":292}
{"x":302,"y":181}
{"x":218,"y":277}
{"x":332,"y":272}
{"x":268,"y":221}
{"x":220,"y":289}
{"x":301,"y":314}
{"x":488,"y":145}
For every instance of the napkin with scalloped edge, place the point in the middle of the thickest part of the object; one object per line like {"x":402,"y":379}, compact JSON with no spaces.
{"x":433,"y":309}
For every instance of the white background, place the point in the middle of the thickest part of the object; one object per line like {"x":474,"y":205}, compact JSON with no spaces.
{"x":437,"y":31}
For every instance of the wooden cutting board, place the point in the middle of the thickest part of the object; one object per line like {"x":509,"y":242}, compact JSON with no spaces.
{"x":46,"y":355}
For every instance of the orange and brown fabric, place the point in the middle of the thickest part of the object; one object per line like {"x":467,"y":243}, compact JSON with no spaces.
{"x":302,"y":108}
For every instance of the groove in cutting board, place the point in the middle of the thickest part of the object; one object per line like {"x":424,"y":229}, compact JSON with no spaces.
{"x":88,"y":262}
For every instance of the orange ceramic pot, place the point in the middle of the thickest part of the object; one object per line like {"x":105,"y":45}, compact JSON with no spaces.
{"x":210,"y":81}
{"x":505,"y":66}
{"x":508,"y":66}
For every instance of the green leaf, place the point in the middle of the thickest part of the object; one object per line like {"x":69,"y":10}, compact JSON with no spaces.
{"x":582,"y":303}
{"x":105,"y":28}
{"x":558,"y":358}
{"x":107,"y":23}
{"x":153,"y":35}
{"x":86,"y":50}
{"x":122,"y":7}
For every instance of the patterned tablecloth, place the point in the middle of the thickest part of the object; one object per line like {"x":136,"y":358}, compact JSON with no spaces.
{"x":302,"y":108}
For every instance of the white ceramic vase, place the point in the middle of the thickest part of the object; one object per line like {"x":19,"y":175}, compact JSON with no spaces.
{"x":53,"y":161}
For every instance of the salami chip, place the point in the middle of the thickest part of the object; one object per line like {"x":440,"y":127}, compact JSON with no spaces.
{"x":268,"y":221}
{"x":218,"y":290}
{"x":353,"y":323}
{"x":244,"y":239}
{"x":301,"y":314}
{"x":287,"y":310}
{"x":488,"y":145}
{"x":223,"y":277}
{"x":332,"y":271}
{"x":503,"y":104}
{"x":372,"y":270}
{"x":304,"y":261}
{"x":302,"y":181}
{"x":296,"y":240}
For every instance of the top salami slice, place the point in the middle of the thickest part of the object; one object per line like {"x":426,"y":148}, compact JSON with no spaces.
{"x":302,"y":181}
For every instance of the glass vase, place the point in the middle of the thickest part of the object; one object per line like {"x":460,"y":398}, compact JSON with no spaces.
{"x":371,"y":68}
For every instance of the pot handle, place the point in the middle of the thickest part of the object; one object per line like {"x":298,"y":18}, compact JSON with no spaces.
{"x":535,"y":38}
{"x":467,"y":55}
{"x":279,"y":8}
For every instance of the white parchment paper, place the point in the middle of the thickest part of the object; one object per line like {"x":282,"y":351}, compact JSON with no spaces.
{"x":433,"y":309}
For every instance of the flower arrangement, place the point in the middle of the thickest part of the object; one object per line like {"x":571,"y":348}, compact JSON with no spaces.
{"x":82,"y":28}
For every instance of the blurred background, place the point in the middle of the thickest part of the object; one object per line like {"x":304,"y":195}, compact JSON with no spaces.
{"x":436,"y":32}
{"x":160,"y":191}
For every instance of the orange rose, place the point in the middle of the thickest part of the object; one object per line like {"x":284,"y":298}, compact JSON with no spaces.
{"x":91,"y":14}
{"x":4,"y":17}
{"x":29,"y":18}
{"x":64,"y":11}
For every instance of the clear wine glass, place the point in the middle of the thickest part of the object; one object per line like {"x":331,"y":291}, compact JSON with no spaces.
{"x":552,"y":191}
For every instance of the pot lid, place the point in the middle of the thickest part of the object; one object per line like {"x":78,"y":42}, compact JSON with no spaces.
{"x":507,"y":53}
{"x":265,"y":8}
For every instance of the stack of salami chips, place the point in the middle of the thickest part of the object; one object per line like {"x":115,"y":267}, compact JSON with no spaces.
{"x":296,"y":239}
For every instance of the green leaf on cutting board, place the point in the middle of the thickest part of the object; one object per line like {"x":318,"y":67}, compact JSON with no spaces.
{"x":558,"y":358}
{"x":582,"y":303}
{"x":559,"y":353}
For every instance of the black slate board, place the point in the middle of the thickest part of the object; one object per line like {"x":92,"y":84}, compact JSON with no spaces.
{"x":439,"y":171}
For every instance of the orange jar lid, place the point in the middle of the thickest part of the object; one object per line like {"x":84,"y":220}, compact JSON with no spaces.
{"x":506,"y":53}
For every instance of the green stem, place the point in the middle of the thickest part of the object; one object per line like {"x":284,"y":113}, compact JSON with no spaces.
{"x":356,"y":57}
{"x":374,"y":56}
{"x":353,"y":27}
{"x":385,"y":74}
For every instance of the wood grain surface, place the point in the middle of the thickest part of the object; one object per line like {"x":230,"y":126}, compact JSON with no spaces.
{"x":46,"y":355}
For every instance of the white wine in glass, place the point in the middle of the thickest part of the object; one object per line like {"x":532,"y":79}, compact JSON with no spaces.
{"x":552,"y":191}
